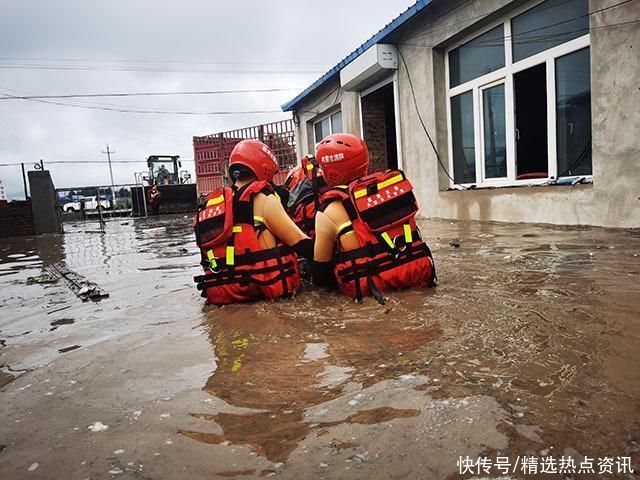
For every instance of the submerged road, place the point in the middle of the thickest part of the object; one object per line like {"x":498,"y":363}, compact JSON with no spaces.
{"x":528,"y":347}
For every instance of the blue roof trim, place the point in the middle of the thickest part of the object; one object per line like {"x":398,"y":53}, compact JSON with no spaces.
{"x":381,"y":35}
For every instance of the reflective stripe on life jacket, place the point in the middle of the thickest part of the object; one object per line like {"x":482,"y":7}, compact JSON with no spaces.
{"x":237,"y":268}
{"x":392,"y":254}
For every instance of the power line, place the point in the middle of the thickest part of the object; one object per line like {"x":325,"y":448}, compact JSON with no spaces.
{"x":102,"y":68}
{"x":142,"y":111}
{"x":146,"y":94}
{"x":534,"y":39}
{"x":469,"y":19}
{"x":87,"y":162}
{"x":147,"y":61}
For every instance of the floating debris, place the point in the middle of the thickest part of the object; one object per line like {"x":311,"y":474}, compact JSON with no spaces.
{"x":43,"y":279}
{"x":80,"y":286}
{"x":98,"y":427}
{"x":68,"y":349}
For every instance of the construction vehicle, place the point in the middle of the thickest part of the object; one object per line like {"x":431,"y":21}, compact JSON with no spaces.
{"x":165,"y":170}
{"x":177,"y":193}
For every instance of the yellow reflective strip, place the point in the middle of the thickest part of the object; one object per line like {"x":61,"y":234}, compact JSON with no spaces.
{"x":215,"y":201}
{"x":408,"y":236}
{"x":309,"y":166}
{"x":230,"y":254}
{"x":258,"y":218}
{"x":385,"y":236}
{"x":390,"y":181}
{"x":237,"y":228}
{"x":212,"y":259}
{"x":341,"y":186}
{"x":343,"y":226}
{"x":360,"y":193}
{"x":276,"y":194}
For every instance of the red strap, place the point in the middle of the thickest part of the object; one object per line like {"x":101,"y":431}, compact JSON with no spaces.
{"x":259,"y":186}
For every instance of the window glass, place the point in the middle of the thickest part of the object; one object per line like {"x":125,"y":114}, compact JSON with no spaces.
{"x":336,"y":122}
{"x":322,"y":129}
{"x":480,"y":56}
{"x":464,"y":156}
{"x":495,"y":143}
{"x":573,"y":114}
{"x":547,"y":25}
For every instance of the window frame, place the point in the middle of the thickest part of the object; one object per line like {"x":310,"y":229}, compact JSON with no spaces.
{"x":324,"y":116}
{"x":506,"y":74}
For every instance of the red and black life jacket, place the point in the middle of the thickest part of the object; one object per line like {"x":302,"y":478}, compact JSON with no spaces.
{"x":305,"y":187}
{"x":392,"y":255}
{"x":237,"y":268}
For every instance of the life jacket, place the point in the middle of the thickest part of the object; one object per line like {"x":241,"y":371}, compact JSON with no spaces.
{"x":391,"y":255}
{"x":237,"y":268}
{"x":305,"y":189}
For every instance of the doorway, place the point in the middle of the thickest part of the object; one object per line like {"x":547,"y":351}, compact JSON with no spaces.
{"x":379,"y":128}
{"x":530,"y":91}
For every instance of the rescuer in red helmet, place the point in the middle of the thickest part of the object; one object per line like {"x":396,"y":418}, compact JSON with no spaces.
{"x":366,"y":235}
{"x":305,"y":185}
{"x":249,"y":244}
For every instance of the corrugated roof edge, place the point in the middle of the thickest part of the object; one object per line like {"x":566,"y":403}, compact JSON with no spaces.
{"x":381,"y":35}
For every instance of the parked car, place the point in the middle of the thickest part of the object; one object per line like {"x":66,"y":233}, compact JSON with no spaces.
{"x":90,"y":203}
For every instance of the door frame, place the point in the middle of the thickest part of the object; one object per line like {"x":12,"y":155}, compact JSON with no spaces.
{"x":396,"y":110}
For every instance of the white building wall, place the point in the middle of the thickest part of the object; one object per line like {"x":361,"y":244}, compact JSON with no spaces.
{"x":612,"y":200}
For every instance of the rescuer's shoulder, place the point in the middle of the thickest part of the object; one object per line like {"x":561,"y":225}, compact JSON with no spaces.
{"x":335,"y":212}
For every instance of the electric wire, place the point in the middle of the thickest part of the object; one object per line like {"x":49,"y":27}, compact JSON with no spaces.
{"x":105,"y":68}
{"x":85,"y":162}
{"x":492,"y":42}
{"x":147,"y":61}
{"x":424,"y":127}
{"x":145,"y":94}
{"x":470,"y":19}
{"x":144,"y":111}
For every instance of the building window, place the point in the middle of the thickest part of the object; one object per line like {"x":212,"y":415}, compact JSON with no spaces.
{"x":519,"y":98}
{"x":573,"y":114}
{"x":328,"y":125}
{"x":482,"y":55}
{"x":464,"y":153}
{"x":547,"y":25}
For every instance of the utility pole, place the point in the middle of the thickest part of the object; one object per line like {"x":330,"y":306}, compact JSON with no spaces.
{"x":113,"y":193}
{"x":24,"y":182}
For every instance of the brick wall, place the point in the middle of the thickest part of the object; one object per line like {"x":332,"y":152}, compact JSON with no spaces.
{"x":374,"y":130}
{"x":16,"y":219}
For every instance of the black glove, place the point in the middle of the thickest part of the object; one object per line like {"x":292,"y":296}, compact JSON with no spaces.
{"x":322,"y":273}
{"x":304,"y":248}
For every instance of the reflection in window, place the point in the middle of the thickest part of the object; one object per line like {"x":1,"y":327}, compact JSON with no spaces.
{"x":322,"y":129}
{"x":336,"y":122}
{"x":573,"y":114}
{"x":480,"y":56}
{"x":495,"y":143}
{"x":547,"y":25}
{"x":464,"y":157}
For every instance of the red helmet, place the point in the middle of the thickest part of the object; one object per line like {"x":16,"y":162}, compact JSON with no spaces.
{"x":343,"y":158}
{"x":257,"y":157}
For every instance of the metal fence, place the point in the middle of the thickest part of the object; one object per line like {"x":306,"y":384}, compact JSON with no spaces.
{"x":211,"y":152}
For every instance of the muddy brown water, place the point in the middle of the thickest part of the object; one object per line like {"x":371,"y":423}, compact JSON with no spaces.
{"x":545,"y":320}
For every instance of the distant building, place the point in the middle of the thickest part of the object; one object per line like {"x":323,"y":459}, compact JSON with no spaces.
{"x":517,"y":96}
{"x":3,"y":194}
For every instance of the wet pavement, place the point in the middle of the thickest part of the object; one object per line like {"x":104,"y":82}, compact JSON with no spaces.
{"x":529,"y":346}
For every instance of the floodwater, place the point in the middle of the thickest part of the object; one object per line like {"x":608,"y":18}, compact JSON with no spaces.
{"x":527,"y":347}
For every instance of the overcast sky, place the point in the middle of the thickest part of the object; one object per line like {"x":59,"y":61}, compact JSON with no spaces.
{"x":77,"y":46}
